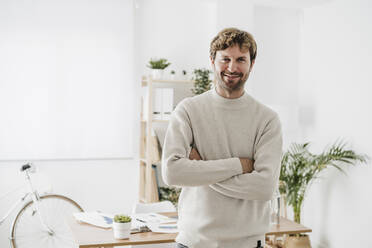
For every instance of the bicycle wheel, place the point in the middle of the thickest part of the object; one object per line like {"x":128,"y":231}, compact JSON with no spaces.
{"x":27,"y":230}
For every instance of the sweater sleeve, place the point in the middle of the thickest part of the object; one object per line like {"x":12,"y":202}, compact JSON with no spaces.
{"x":262,"y":182}
{"x":178,"y":169}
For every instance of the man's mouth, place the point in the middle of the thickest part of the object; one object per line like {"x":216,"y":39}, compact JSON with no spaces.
{"x":231,"y":76}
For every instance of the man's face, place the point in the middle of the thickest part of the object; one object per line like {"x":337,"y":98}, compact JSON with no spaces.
{"x":232,"y":67}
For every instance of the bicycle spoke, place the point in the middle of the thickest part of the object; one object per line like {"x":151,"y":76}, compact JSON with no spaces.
{"x":29,"y":232}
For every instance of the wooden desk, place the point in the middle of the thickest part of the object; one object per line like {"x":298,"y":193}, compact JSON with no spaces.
{"x":90,"y":236}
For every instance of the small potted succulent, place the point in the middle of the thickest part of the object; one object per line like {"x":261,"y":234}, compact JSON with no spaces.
{"x":184,"y":73}
{"x":158,"y":66}
{"x":173,"y":74}
{"x":121,"y":226}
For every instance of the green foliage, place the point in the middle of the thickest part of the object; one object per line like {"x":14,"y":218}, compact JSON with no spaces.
{"x":202,"y":83}
{"x":173,"y":72}
{"x":121,"y":218}
{"x":299,"y":167}
{"x":169,"y":194}
{"x":158,"y":64}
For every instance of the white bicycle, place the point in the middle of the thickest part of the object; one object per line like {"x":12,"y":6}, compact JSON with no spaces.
{"x":41,"y":222}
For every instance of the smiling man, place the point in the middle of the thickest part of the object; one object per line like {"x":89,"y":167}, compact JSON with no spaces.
{"x":223,"y":148}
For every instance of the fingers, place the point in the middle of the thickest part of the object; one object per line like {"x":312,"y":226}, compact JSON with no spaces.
{"x":247,"y":165}
{"x":194,"y":154}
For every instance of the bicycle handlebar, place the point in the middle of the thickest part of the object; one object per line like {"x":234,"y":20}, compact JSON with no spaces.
{"x":25,"y":167}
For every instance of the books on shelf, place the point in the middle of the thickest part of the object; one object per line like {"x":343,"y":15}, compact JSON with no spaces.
{"x":167,"y":103}
{"x":162,"y":103}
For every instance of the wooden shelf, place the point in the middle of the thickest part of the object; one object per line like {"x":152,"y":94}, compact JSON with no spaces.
{"x":161,"y":121}
{"x":149,"y":150}
{"x":145,"y":81}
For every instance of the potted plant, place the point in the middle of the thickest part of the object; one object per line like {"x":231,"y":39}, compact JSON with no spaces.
{"x":158,"y":66}
{"x":184,"y":73}
{"x":299,"y":168}
{"x":121,"y":226}
{"x":202,"y":83}
{"x":173,"y":74}
{"x":169,"y":194}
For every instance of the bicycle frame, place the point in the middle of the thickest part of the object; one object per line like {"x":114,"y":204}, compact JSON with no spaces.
{"x":35,"y":198}
{"x":13,"y":207}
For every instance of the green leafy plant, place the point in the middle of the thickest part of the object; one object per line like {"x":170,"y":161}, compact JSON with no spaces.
{"x":173,"y":72}
{"x":202,"y":83}
{"x":158,"y":64}
{"x":299,"y":167}
{"x":169,"y":194}
{"x":121,"y":218}
{"x":184,"y":72}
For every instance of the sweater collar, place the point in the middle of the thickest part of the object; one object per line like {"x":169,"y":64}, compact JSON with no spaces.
{"x":235,"y":103}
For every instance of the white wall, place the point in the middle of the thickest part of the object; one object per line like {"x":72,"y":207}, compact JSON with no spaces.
{"x":177,"y":30}
{"x":66,"y":78}
{"x":335,"y":89}
{"x":275,"y":76}
{"x":235,"y":13}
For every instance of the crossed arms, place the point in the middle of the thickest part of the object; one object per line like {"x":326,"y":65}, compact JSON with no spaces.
{"x":247,"y":164}
{"x":240,"y":178}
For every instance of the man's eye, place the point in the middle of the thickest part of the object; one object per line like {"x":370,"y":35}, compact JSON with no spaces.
{"x":241,"y":60}
{"x":225,"y":60}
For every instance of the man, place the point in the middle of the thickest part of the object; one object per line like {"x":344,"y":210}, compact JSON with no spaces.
{"x":224,"y":148}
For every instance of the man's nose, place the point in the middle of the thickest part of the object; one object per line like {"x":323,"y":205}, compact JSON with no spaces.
{"x":232,"y":66}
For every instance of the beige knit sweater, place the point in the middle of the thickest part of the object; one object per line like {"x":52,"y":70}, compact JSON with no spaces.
{"x":219,"y":206}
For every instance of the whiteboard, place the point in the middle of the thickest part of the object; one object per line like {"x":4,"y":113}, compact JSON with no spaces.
{"x":66,"y":79}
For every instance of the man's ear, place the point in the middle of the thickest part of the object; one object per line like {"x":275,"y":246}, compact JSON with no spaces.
{"x":212,"y":60}
{"x":252,"y":63}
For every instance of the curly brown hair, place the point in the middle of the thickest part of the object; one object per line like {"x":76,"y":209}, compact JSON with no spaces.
{"x":229,"y":37}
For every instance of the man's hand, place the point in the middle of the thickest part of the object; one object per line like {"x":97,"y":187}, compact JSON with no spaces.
{"x":247,"y":165}
{"x":194,"y":154}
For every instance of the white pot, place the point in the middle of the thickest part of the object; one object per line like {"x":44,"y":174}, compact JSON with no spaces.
{"x":121,"y":230}
{"x":157,"y":73}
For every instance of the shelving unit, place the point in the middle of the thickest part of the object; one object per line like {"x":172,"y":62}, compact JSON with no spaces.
{"x":149,"y":152}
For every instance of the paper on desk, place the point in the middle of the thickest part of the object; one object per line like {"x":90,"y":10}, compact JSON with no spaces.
{"x":163,"y":228}
{"x":157,"y":223}
{"x":94,"y":218}
{"x":152,"y":218}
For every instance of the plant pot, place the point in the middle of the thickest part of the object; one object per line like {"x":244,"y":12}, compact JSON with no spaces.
{"x":121,"y":230}
{"x":157,"y":73}
{"x":302,"y":241}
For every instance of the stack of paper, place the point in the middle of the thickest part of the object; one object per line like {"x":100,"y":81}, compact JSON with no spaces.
{"x":95,"y":218}
{"x":140,"y":222}
{"x":157,"y":222}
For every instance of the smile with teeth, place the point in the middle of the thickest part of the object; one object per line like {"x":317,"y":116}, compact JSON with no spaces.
{"x":231,"y":76}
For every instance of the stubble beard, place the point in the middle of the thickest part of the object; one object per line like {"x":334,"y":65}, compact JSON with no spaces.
{"x":230,"y":86}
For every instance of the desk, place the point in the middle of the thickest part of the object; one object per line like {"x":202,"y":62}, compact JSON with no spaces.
{"x":90,"y":236}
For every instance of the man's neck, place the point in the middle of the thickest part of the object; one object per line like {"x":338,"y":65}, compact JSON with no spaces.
{"x":230,"y":94}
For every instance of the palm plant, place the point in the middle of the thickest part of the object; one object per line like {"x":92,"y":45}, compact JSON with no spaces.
{"x":300,"y":167}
